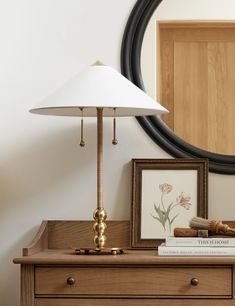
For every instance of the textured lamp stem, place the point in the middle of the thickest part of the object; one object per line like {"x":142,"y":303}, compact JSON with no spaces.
{"x":100,"y":213}
{"x":99,"y":157}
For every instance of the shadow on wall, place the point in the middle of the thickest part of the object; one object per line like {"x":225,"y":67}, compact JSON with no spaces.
{"x":10,"y":273}
{"x":43,"y":164}
{"x":39,"y":167}
{"x":121,"y":193}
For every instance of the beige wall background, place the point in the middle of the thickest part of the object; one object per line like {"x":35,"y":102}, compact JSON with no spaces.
{"x":44,"y":174}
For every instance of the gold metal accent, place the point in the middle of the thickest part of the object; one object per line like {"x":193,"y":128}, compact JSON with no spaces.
{"x":114,"y":141}
{"x":194,"y":281}
{"x":105,"y":251}
{"x":71,"y":281}
{"x":99,"y":227}
{"x":98,"y":63}
{"x":82,"y":142}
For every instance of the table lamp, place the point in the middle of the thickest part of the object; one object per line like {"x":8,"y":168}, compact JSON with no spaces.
{"x":99,"y":91}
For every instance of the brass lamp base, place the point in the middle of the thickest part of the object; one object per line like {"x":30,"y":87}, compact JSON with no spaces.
{"x":99,"y":228}
{"x":96,"y":251}
{"x":99,"y":214}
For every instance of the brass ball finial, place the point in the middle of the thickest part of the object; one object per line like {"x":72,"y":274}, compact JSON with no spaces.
{"x":114,"y":141}
{"x":98,"y":63}
{"x":82,"y":143}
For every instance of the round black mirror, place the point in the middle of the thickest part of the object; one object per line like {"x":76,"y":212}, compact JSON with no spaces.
{"x":161,"y":134}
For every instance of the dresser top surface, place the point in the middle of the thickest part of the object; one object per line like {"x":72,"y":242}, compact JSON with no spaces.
{"x":130,"y":257}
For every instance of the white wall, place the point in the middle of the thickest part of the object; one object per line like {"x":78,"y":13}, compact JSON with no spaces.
{"x":43,"y":172}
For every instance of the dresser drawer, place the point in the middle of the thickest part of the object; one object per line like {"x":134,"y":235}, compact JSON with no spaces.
{"x":148,"y":281}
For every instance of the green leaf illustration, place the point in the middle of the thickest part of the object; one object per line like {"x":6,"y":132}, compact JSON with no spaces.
{"x":161,"y":215}
{"x":173,"y":219}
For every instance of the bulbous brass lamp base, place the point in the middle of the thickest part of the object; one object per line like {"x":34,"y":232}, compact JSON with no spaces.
{"x":99,"y":228}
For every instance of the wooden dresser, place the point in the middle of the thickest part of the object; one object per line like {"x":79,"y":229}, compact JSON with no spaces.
{"x":51,"y":275}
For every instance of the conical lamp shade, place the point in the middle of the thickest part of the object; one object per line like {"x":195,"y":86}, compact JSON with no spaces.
{"x":99,"y":86}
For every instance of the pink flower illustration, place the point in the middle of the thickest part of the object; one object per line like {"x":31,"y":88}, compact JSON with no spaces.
{"x":183,"y":201}
{"x":165,"y":188}
{"x":165,"y":213}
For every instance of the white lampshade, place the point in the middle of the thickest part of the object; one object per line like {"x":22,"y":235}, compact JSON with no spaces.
{"x":99,"y":86}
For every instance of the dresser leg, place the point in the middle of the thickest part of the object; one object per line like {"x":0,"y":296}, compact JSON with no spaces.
{"x":27,"y":285}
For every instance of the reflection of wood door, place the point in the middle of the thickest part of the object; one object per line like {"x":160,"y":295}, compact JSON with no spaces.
{"x":197,"y":82}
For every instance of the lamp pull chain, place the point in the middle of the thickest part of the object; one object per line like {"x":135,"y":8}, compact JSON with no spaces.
{"x":114,"y":141}
{"x":82,"y":142}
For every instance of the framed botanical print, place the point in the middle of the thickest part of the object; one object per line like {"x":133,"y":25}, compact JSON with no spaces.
{"x":166,"y":193}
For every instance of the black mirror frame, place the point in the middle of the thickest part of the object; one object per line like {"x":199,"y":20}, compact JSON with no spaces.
{"x":154,"y":126}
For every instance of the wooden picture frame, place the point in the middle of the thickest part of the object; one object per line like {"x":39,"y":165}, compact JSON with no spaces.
{"x":166,"y":193}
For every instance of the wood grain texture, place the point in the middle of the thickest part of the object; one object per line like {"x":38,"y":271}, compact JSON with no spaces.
{"x":221,"y":80}
{"x":197,"y":77}
{"x":131,"y":302}
{"x":65,"y":234}
{"x":40,"y":241}
{"x":190,"y":92}
{"x":233,"y":277}
{"x":27,"y":285}
{"x":130,"y":257}
{"x":135,"y":281}
{"x":168,"y":24}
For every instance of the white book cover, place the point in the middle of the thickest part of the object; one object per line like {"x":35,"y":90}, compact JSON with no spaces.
{"x":164,"y":250}
{"x":199,"y":241}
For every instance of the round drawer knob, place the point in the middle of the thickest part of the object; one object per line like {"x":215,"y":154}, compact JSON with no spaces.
{"x":70,"y":281}
{"x":194,"y":281}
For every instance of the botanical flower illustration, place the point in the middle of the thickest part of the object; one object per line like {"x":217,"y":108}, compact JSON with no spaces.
{"x":165,"y":212}
{"x":165,"y":188}
{"x":183,"y":201}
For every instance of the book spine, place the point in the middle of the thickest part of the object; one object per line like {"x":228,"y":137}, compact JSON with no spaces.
{"x":200,"y":242}
{"x":195,"y":251}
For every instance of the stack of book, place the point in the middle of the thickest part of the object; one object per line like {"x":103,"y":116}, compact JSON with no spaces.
{"x":197,"y":246}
